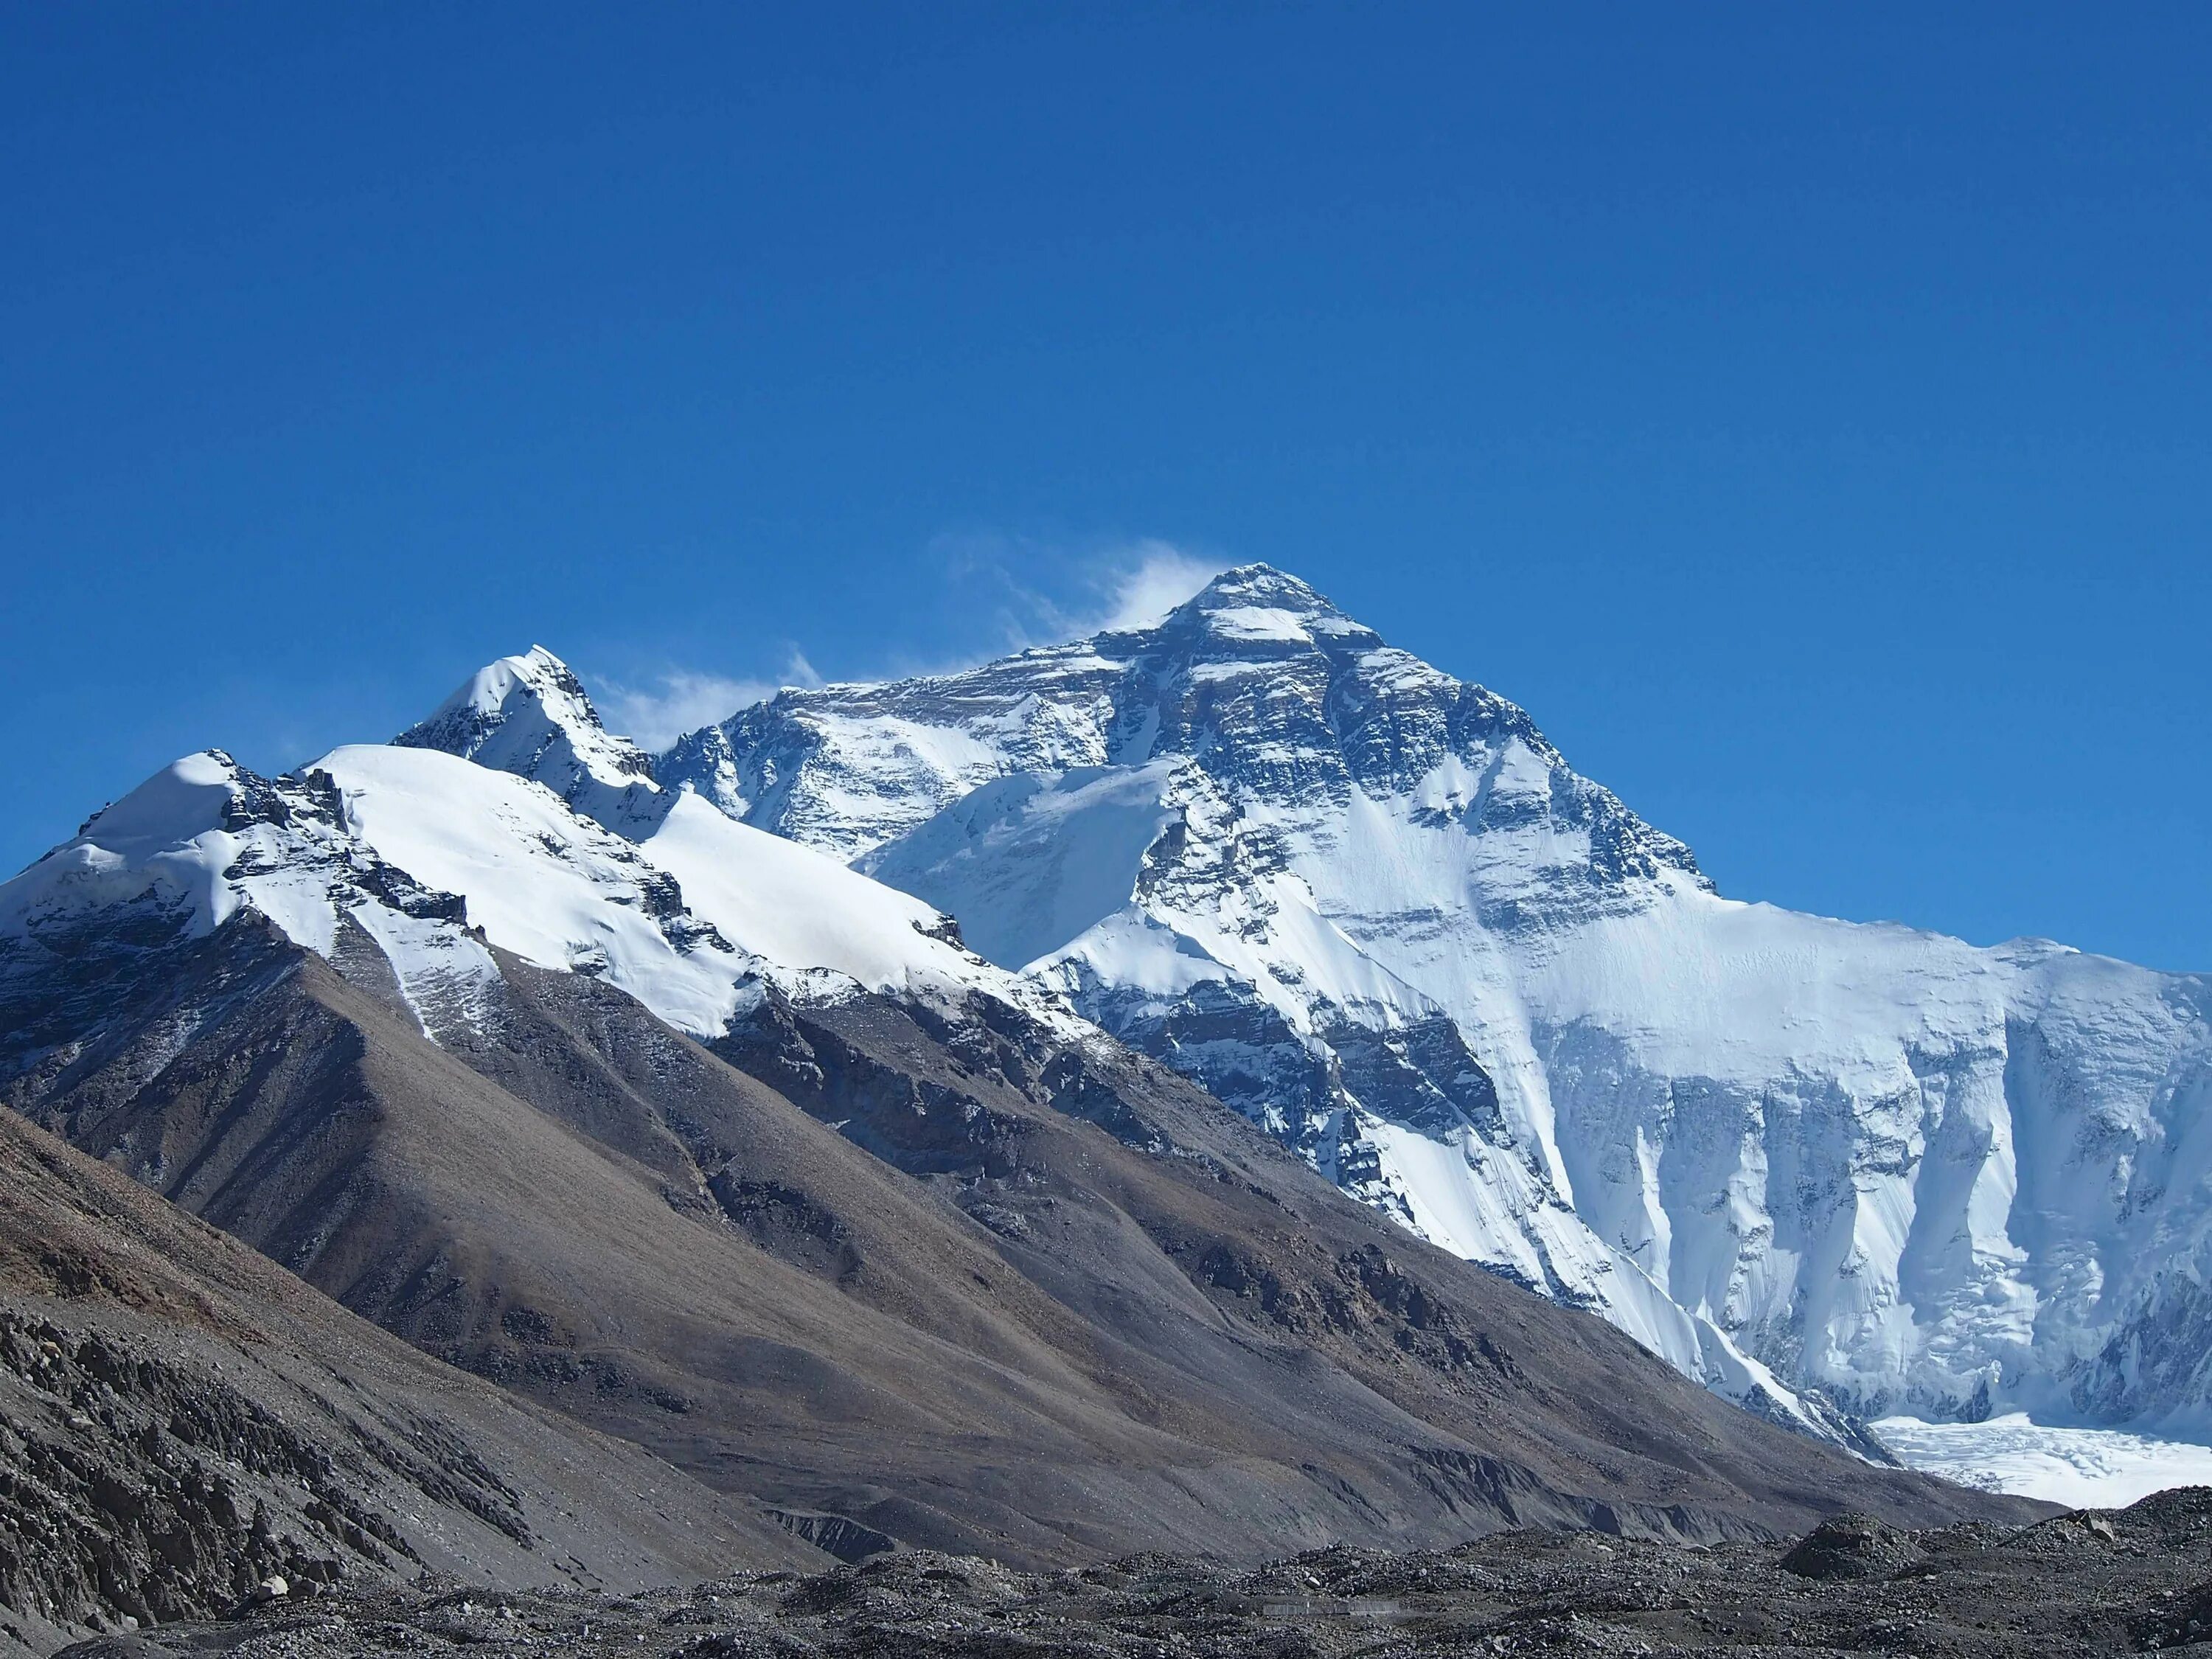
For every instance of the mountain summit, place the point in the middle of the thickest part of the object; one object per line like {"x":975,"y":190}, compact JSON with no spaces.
{"x":1256,"y":677}
{"x":1371,"y":906}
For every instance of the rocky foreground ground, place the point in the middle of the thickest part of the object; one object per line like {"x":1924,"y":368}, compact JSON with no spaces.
{"x":2138,"y":1580}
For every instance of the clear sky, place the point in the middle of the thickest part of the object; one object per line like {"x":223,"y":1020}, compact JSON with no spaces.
{"x":1801,"y":409}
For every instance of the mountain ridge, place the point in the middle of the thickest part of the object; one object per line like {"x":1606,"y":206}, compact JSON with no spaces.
{"x":712,"y":1143}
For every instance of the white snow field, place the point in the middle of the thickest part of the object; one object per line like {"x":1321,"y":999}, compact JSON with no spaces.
{"x":435,"y":858}
{"x":795,"y":913}
{"x":2081,"y":1468}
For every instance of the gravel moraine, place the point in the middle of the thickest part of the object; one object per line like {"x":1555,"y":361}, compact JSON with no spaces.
{"x":2137,"y":1580}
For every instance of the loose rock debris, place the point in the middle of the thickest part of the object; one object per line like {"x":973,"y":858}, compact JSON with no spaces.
{"x":2136,"y":1581}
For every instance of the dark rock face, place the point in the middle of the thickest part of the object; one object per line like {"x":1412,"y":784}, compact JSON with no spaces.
{"x":1974,"y":1592}
{"x":1239,"y":1050}
{"x":168,"y":1493}
{"x":1306,"y":1095}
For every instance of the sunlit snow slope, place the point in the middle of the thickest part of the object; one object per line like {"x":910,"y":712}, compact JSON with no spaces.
{"x":1372,"y":905}
{"x":413,"y":865}
{"x":802,"y":918}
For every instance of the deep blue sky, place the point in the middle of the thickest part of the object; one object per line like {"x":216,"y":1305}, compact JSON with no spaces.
{"x":1803,"y":411}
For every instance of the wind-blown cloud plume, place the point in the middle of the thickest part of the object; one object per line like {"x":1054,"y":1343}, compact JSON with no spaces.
{"x":1115,"y":584}
{"x":683,"y":700}
{"x":1150,"y":578}
{"x":1101,"y":584}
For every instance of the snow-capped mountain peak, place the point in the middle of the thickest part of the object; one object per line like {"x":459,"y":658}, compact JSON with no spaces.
{"x":1365,"y":902}
{"x":1258,"y":679}
{"x":1257,"y":604}
{"x":530,"y":715}
{"x":1370,"y":904}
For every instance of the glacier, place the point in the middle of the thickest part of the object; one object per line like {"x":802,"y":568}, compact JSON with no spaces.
{"x":2081,"y":1468}
{"x":1838,"y":1171}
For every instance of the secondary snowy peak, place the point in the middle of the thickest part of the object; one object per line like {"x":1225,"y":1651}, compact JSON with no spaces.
{"x":203,"y":841}
{"x":530,"y":715}
{"x":797,"y":911}
{"x":410,"y":866}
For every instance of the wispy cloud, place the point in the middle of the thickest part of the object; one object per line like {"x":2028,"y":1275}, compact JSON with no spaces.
{"x":1031,"y":590}
{"x":681,"y":700}
{"x":1095,"y":585}
{"x":1150,"y":578}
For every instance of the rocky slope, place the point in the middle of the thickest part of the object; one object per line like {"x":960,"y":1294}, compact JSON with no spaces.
{"x":725,"y":1148}
{"x":1371,"y":906}
{"x":180,"y":1420}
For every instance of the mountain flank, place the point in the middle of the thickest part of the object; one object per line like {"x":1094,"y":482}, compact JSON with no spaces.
{"x":181,"y":1420}
{"x":1014,"y":1303}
